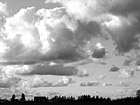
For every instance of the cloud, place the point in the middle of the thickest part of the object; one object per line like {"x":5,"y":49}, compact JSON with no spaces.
{"x":64,"y":82}
{"x":8,"y":81}
{"x":84,"y":10}
{"x":66,"y":33}
{"x":125,"y":7}
{"x":23,"y":86}
{"x":40,"y":82}
{"x":82,"y":73}
{"x":122,"y":83}
{"x":126,"y":29}
{"x":43,"y":69}
{"x":138,"y":68}
{"x":33,"y":35}
{"x":3,"y":15}
{"x":124,"y":23}
{"x":50,"y":70}
{"x":3,"y":9}
{"x":101,"y":77}
{"x":90,"y":83}
{"x":126,"y":73}
{"x":120,"y":17}
{"x":107,"y":84}
{"x":114,"y":68}
{"x":44,"y":34}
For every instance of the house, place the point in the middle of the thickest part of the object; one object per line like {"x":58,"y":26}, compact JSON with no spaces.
{"x":40,"y":99}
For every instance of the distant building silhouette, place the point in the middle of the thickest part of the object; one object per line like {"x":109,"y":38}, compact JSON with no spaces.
{"x":40,"y":99}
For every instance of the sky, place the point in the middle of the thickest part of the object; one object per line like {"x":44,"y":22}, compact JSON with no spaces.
{"x":35,"y":33}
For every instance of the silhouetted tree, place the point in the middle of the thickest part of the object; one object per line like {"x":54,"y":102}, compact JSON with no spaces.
{"x":138,"y":93}
{"x":22,"y":97}
{"x":13,"y":98}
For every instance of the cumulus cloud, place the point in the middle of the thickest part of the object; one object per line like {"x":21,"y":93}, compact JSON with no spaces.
{"x":34,"y":35}
{"x":82,"y":73}
{"x":63,"y":31}
{"x":101,"y":77}
{"x":107,"y":84}
{"x":126,"y":73}
{"x":69,"y":32}
{"x":120,"y":17}
{"x":64,"y":82}
{"x":85,"y":10}
{"x":114,"y":68}
{"x":90,"y":83}
{"x":3,"y":8}
{"x":138,"y":68}
{"x":123,"y":83}
{"x":7,"y":80}
{"x":40,"y":82}
{"x":45,"y":32}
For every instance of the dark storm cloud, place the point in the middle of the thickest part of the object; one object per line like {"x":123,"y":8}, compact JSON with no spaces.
{"x":92,"y":11}
{"x":125,"y":7}
{"x":86,"y":31}
{"x":51,"y":70}
{"x":125,"y":37}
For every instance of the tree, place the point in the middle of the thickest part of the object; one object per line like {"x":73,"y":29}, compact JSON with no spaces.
{"x":22,"y":97}
{"x":138,"y":93}
{"x":13,"y":98}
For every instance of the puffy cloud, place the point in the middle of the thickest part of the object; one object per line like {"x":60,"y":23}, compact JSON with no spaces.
{"x":101,"y":77}
{"x":33,"y":35}
{"x":120,"y":17}
{"x":23,"y":86}
{"x":138,"y":68}
{"x":126,"y":73}
{"x":107,"y":84}
{"x":122,"y":83}
{"x":125,"y":7}
{"x":105,"y":40}
{"x":58,"y":33}
{"x":8,"y":81}
{"x":42,"y":69}
{"x":114,"y":68}
{"x":3,"y":15}
{"x":69,"y":32}
{"x":37,"y":31}
{"x":90,"y":83}
{"x":82,"y":73}
{"x":3,"y":9}
{"x":64,"y":82}
{"x":124,"y":28}
{"x":13,"y":70}
{"x":40,"y":82}
{"x":85,"y":10}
